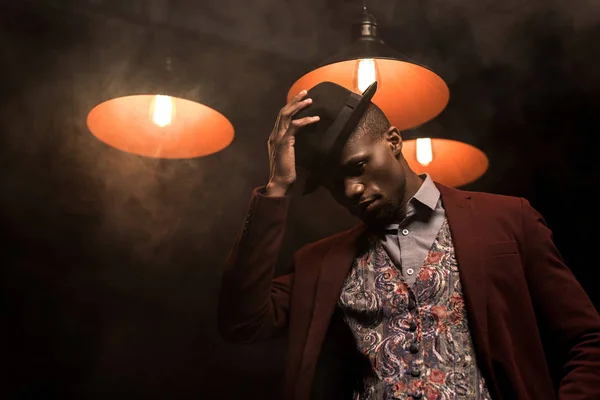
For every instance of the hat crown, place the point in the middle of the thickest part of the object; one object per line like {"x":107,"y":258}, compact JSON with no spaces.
{"x":328,"y":99}
{"x":339,"y":110}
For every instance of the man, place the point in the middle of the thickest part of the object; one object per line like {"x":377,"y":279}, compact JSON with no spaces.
{"x":440,"y":294}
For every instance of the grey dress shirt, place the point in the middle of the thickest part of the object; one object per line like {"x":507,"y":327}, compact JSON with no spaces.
{"x":408,"y":242}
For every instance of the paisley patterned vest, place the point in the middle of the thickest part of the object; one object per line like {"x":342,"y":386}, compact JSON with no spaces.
{"x":416,"y":338}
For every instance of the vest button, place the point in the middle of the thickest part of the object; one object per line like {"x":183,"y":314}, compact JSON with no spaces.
{"x":416,"y":373}
{"x":412,"y":327}
{"x":411,"y":304}
{"x":414,"y":348}
{"x":416,"y":395}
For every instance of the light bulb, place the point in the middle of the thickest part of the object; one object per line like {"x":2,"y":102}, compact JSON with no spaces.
{"x":162,"y":110}
{"x":365,"y":74}
{"x":424,"y":151}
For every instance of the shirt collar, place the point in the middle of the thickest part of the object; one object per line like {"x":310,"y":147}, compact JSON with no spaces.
{"x":428,"y":194}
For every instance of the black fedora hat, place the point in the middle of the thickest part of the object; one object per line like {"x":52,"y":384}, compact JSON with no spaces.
{"x":339,"y":110}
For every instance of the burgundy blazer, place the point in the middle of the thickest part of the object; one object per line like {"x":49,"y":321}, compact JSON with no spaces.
{"x":535,"y":331}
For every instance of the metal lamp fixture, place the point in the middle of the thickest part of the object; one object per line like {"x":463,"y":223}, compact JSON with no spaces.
{"x":408,"y":93}
{"x":156,"y":117}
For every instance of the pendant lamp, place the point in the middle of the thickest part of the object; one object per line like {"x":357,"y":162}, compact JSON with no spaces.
{"x":408,"y":93}
{"x":155,"y":116}
{"x":447,"y":160}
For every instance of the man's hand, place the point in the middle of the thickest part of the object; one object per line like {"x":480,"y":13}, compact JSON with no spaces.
{"x":281,"y":146}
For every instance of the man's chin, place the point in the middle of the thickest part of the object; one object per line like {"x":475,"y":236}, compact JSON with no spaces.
{"x":375,"y":218}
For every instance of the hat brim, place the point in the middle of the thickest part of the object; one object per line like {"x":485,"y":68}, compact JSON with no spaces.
{"x":353,"y":116}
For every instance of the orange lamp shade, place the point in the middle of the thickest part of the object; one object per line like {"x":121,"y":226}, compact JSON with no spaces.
{"x":160,"y":126}
{"x":449,"y":162}
{"x":408,"y":94}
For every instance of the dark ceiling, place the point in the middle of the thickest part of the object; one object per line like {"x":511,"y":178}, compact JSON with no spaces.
{"x":112,"y":262}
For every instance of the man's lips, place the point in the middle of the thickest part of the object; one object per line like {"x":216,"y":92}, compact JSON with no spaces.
{"x":366,"y":205}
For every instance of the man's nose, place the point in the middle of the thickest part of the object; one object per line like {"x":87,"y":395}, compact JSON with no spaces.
{"x":354,"y":190}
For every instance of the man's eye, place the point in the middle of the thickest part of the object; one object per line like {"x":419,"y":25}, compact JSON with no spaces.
{"x":357,"y":169}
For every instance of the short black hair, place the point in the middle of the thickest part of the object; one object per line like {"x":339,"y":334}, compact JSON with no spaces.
{"x":372,"y":124}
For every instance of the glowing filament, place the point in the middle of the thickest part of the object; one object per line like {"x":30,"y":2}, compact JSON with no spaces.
{"x":366,"y":73}
{"x":162,"y":113}
{"x":424,"y":151}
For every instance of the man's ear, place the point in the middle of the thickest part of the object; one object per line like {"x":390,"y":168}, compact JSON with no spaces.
{"x":394,"y":139}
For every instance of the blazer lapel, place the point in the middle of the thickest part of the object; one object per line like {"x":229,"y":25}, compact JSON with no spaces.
{"x":469,"y":254}
{"x":333,"y":271}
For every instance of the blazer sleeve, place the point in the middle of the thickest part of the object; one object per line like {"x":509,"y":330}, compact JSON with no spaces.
{"x":563,"y":310}
{"x":252,"y":305}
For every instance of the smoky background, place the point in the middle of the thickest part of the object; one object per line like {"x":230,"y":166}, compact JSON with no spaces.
{"x":111,"y":262}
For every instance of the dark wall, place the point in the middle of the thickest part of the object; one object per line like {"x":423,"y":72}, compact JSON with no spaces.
{"x":111,"y":262}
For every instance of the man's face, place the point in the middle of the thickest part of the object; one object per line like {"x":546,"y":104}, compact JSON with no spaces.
{"x":369,"y":179}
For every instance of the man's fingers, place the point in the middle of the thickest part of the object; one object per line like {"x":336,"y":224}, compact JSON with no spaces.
{"x":297,"y":97}
{"x":295,"y":100}
{"x":284,"y":125}
{"x":298,"y":123}
{"x":292,"y":108}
